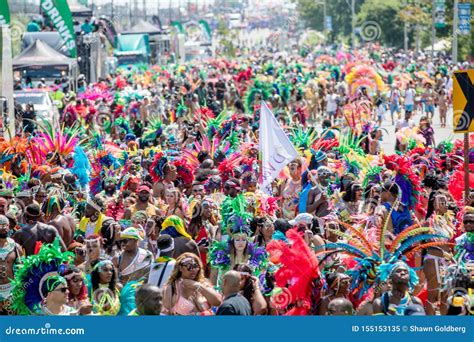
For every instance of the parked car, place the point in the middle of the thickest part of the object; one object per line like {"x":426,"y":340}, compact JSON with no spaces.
{"x":44,"y":107}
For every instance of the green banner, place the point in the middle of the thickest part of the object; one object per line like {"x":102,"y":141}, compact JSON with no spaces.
{"x":4,"y":12}
{"x":440,"y":11}
{"x":60,"y":15}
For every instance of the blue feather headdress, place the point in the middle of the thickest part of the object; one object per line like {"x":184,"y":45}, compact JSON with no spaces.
{"x":32,"y":273}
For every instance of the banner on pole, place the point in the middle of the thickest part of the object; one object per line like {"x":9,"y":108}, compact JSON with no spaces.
{"x":60,"y":15}
{"x":440,"y":12}
{"x":464,"y":15}
{"x":275,"y":148}
{"x":4,"y":12}
{"x":328,"y":23}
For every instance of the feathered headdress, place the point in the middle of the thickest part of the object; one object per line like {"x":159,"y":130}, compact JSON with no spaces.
{"x":53,"y":143}
{"x":185,"y":171}
{"x":157,"y":167}
{"x":298,"y":274}
{"x":154,"y":129}
{"x":233,"y":208}
{"x":30,"y":276}
{"x":303,"y":138}
{"x":261,"y":88}
{"x":407,"y":180}
{"x":81,"y":166}
{"x":375,"y":259}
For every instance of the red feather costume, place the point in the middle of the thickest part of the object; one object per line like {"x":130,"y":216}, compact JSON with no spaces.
{"x":298,"y":274}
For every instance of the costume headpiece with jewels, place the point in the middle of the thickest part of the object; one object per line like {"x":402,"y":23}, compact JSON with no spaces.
{"x":40,"y":273}
{"x":375,"y":260}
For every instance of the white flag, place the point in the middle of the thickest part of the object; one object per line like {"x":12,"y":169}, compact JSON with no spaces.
{"x":275,"y":148}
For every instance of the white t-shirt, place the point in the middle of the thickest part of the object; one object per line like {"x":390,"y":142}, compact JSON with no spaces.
{"x":331,"y":104}
{"x":156,"y":271}
{"x":402,"y":123}
{"x":410,"y":96}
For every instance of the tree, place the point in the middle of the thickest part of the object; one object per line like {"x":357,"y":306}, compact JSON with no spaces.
{"x":382,"y":18}
{"x":226,"y":38}
{"x":312,"y":12}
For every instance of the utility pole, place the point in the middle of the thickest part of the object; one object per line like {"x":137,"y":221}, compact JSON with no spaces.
{"x":325,"y":15}
{"x":353,"y":25}
{"x":144,"y":10}
{"x":405,"y":30}
{"x":169,"y":10}
{"x":433,"y":29}
{"x":454,"y":56}
{"x":353,"y":21}
{"x":135,"y":21}
{"x":129,"y":14}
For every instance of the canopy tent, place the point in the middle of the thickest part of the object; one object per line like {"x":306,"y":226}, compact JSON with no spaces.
{"x":53,"y":39}
{"x":41,"y":54}
{"x":39,"y":60}
{"x":144,"y":27}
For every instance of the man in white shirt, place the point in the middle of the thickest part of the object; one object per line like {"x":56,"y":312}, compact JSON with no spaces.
{"x":405,"y":122}
{"x":394,"y":102}
{"x":410,"y":98}
{"x":331,"y":104}
{"x":161,"y":268}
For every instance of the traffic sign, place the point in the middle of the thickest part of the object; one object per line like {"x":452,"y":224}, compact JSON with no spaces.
{"x":463,"y":101}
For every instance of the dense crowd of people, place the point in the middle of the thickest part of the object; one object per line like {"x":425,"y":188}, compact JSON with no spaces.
{"x":145,"y":198}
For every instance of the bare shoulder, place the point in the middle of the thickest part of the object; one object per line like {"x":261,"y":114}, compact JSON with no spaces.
{"x":377,"y":306}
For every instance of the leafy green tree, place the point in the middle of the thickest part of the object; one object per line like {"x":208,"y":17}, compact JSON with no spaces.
{"x":383,"y":18}
{"x":226,"y":39}
{"x":312,"y":13}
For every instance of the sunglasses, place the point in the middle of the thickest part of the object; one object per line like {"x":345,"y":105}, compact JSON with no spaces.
{"x":124,"y":241}
{"x":468,"y":222}
{"x":62,"y":289}
{"x":190,"y":267}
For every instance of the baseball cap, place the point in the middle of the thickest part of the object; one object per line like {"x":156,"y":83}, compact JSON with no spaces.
{"x":144,"y":188}
{"x":131,"y":233}
{"x":302,"y":218}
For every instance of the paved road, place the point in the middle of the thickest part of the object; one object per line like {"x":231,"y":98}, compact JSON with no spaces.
{"x":388,"y":143}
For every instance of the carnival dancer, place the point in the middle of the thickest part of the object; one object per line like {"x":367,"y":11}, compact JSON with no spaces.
{"x":134,"y":262}
{"x":47,"y":291}
{"x":395,"y":301}
{"x":10,"y":253}
{"x":34,"y":232}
